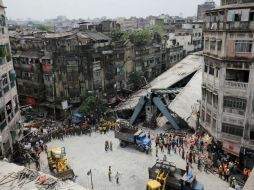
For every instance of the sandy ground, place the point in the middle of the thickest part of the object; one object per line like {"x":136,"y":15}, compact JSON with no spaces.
{"x":87,"y":152}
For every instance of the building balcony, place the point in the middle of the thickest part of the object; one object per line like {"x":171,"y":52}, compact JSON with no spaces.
{"x":234,"y":111}
{"x":234,"y":138}
{"x":233,"y":120}
{"x":236,"y":85}
{"x":229,"y":26}
{"x":75,"y":100}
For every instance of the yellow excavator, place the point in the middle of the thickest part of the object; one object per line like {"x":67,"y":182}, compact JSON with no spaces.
{"x":58,"y":164}
{"x":159,"y":183}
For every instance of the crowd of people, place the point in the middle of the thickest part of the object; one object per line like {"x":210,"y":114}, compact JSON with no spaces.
{"x":195,"y":150}
{"x":28,"y":150}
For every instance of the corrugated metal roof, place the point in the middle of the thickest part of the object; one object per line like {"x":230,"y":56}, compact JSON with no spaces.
{"x":58,"y":34}
{"x":93,"y":35}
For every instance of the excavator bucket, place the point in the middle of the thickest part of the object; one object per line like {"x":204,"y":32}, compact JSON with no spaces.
{"x":67,"y":174}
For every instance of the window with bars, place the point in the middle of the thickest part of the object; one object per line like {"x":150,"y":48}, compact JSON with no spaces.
{"x":243,"y":46}
{"x":207,"y":44}
{"x":219,"y":44}
{"x":208,"y":118}
{"x":232,"y":129}
{"x":211,"y":70}
{"x":233,"y":102}
{"x":209,"y":97}
{"x":214,"y":123}
{"x":212,"y":45}
{"x":215,"y":101}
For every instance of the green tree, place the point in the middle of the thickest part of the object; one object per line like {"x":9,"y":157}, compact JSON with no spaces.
{"x":142,"y":37}
{"x":160,"y":29}
{"x":43,"y":27}
{"x":116,"y":35}
{"x":93,"y":104}
{"x":136,"y":80}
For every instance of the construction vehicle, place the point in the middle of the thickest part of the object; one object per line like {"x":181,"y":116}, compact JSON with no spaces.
{"x":165,"y":175}
{"x":58,"y":164}
{"x":128,"y":134}
{"x":150,"y":101}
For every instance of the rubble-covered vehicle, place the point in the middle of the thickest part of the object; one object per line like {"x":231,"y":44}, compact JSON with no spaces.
{"x":165,"y":175}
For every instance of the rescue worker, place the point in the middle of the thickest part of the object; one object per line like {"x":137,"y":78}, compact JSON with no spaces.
{"x":106,"y":145}
{"x":248,"y":174}
{"x":199,"y":163}
{"x":206,"y":166}
{"x":183,"y":154}
{"x":233,"y":182}
{"x":109,"y":173}
{"x":245,"y":174}
{"x":117,"y":178}
{"x":46,"y":148}
{"x":161,"y":147}
{"x":169,"y":147}
{"x":111,"y":145}
{"x":220,"y":171}
{"x":227,"y":174}
{"x":157,"y":140}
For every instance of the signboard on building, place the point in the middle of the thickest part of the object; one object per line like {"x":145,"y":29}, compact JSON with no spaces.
{"x":231,"y":148}
{"x":65,"y":105}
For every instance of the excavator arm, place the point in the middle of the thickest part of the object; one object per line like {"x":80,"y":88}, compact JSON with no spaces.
{"x":165,"y":111}
{"x":138,"y":109}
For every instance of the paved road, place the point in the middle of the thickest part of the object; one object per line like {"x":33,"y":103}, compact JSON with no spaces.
{"x":87,"y":152}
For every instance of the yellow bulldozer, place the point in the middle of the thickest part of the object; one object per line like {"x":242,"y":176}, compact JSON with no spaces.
{"x":159,"y":183}
{"x":58,"y":164}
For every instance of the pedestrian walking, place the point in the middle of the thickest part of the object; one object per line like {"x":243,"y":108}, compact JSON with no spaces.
{"x":227,"y":174}
{"x":161,"y":147}
{"x":206,"y":166}
{"x":111,"y":145}
{"x":106,"y":145}
{"x":117,"y":178}
{"x":169,"y":147}
{"x":46,"y":148}
{"x":157,"y":140}
{"x":220,"y":171}
{"x":183,"y":154}
{"x":109,"y":173}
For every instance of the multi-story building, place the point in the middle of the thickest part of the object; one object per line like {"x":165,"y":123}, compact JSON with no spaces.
{"x":69,"y":65}
{"x":208,"y":5}
{"x":9,"y":104}
{"x":227,"y":109}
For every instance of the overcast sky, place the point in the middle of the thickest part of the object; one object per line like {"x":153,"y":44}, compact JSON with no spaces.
{"x":43,"y":9}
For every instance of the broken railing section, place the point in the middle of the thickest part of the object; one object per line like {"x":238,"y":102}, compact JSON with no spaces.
{"x":25,"y":176}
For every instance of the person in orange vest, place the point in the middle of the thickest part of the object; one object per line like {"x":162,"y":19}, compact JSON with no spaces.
{"x":224,"y":171}
{"x":245,"y":174}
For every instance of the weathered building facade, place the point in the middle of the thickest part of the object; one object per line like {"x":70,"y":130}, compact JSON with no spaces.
{"x":9,"y":105}
{"x":227,"y":110}
{"x":69,"y":65}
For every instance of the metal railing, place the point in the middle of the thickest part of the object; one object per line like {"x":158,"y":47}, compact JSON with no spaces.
{"x":234,"y":111}
{"x":238,"y":85}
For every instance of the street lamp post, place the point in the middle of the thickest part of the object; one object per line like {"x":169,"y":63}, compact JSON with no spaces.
{"x":90,"y":173}
{"x":54,"y":99}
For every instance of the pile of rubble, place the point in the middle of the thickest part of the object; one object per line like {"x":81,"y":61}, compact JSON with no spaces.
{"x":14,"y":177}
